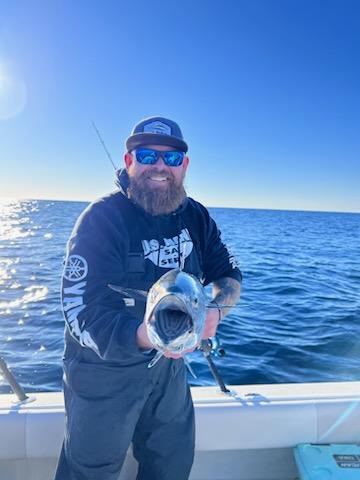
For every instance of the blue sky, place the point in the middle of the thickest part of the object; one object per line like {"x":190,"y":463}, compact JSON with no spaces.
{"x":267,"y":93}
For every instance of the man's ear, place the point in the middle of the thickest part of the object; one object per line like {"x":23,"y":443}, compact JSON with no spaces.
{"x":186,"y":162}
{"x":128,"y":160}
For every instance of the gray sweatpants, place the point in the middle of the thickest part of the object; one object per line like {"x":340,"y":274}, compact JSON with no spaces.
{"x":107,"y":407}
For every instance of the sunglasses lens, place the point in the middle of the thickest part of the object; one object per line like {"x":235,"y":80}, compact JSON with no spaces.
{"x":146,"y":157}
{"x":173,"y":159}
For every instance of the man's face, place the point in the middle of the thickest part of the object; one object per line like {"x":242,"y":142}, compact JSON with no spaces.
{"x":157,"y":188}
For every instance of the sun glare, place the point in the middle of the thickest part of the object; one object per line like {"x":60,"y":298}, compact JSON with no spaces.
{"x":12,"y":94}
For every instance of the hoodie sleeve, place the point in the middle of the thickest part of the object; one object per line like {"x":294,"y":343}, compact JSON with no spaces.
{"x":95,"y":315}
{"x":218,"y":261}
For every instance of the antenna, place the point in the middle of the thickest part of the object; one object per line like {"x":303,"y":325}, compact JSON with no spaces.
{"x":103,"y":144}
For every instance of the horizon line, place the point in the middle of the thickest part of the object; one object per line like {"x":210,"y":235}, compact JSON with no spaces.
{"x":3,"y":199}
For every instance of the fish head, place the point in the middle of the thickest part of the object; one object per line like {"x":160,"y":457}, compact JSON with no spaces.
{"x":175,"y":312}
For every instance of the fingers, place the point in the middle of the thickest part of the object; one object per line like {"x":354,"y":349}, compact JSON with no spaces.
{"x":176,"y":356}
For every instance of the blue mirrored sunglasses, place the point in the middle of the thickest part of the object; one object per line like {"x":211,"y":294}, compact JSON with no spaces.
{"x":148,"y":156}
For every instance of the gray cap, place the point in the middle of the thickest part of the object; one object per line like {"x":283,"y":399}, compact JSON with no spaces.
{"x":156,"y":131}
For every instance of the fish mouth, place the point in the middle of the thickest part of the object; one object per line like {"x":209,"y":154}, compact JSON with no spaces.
{"x":171,"y":302}
{"x":171,"y":319}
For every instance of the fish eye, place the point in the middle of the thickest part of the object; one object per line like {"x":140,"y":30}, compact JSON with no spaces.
{"x":196,"y":301}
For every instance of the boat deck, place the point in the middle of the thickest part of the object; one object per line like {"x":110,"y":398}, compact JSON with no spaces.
{"x":249,"y":435}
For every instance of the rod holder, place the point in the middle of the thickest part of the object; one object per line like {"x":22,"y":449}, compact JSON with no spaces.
{"x":16,"y":387}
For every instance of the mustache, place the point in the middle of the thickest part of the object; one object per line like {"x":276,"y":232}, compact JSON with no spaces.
{"x":157,"y":171}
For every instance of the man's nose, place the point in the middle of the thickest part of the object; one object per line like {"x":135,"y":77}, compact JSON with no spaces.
{"x":160,"y":162}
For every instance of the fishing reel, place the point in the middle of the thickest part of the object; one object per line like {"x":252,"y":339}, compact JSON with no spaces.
{"x":212,"y":346}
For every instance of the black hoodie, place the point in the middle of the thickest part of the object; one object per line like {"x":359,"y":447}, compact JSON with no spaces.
{"x":115,"y":241}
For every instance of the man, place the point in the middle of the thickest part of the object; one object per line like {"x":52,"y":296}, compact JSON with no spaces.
{"x":131,"y":237}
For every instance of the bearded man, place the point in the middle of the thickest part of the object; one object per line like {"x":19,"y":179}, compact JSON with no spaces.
{"x":131,"y":237}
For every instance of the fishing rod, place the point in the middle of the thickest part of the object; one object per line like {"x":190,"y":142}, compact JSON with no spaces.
{"x":103,"y":144}
{"x":209,"y":347}
{"x":14,"y":384}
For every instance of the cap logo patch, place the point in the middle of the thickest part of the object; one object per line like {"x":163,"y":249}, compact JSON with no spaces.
{"x":157,"y":127}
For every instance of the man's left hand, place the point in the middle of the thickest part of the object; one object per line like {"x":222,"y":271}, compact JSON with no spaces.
{"x":211,"y":323}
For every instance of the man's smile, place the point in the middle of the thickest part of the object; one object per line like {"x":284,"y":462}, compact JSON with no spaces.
{"x":158,"y":178}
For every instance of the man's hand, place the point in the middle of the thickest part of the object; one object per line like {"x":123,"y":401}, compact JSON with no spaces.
{"x":212,"y":321}
{"x":142,"y":337}
{"x":176,"y":356}
{"x":226,"y":291}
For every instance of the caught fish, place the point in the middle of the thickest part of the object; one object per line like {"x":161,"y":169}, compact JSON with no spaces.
{"x":175,"y":312}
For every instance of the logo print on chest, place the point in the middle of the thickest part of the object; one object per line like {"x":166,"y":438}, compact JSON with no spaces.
{"x":167,"y":255}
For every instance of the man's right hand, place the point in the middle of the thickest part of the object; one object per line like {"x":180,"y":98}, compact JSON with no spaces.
{"x":176,"y":356}
{"x":142,"y":337}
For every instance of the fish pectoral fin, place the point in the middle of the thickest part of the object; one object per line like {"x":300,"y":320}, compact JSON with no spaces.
{"x":130,"y":292}
{"x":155,"y":359}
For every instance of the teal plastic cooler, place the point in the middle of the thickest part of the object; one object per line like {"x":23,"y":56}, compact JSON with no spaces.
{"x":336,"y":461}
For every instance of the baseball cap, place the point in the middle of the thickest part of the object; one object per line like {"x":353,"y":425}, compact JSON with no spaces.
{"x":156,"y":131}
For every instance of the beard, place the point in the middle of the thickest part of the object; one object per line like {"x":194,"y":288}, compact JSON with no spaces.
{"x":155,"y":200}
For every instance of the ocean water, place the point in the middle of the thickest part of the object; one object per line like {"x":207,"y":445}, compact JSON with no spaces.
{"x":298,"y":319}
